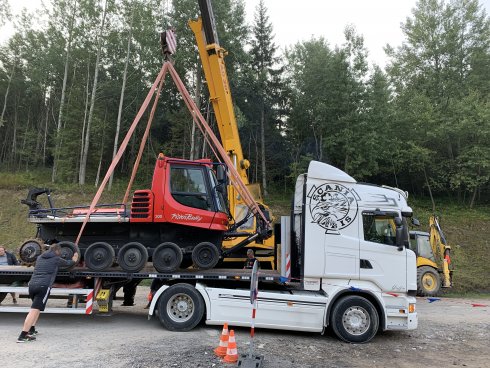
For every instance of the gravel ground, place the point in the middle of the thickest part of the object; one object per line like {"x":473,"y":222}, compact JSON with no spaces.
{"x":451,"y":332}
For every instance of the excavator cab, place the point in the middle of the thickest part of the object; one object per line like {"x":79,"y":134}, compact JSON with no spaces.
{"x":434,"y":269}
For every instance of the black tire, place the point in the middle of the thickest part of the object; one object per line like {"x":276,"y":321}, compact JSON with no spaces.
{"x":99,"y":256}
{"x":205,"y":255}
{"x":68,"y":249}
{"x":132,"y":257}
{"x":354,"y":319}
{"x":167,"y":257}
{"x":428,"y":281}
{"x":180,"y":308}
{"x":30,"y":250}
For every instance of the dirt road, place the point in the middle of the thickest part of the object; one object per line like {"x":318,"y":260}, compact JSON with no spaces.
{"x":451,"y":332}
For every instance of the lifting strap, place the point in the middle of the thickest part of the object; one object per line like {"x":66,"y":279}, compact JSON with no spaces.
{"x":200,"y":122}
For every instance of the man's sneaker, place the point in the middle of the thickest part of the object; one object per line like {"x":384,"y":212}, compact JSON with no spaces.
{"x":26,"y":338}
{"x":32,"y":332}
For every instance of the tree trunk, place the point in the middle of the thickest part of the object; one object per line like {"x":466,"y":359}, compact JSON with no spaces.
{"x":83,"y":162}
{"x":63,"y":92}
{"x":197,"y":100}
{"x":121,"y":98}
{"x":204,"y":142}
{"x":45,"y":138}
{"x":24,"y":141}
{"x":84,"y":125}
{"x":101,"y":150}
{"x":7,"y":94}
{"x":262,"y":150}
{"x":430,"y":192}
{"x":473,"y":197}
{"x":14,"y":138}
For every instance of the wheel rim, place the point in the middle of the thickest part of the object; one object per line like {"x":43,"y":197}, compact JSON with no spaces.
{"x":29,"y":251}
{"x":167,"y":257}
{"x":429,"y":282}
{"x":180,"y":308}
{"x":66,"y":253}
{"x":356,"y":320}
{"x":132,"y":257}
{"x":99,"y":256}
{"x":205,"y":256}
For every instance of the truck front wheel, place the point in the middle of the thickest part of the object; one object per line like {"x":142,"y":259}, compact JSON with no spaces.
{"x":180,"y":308}
{"x":354,"y":319}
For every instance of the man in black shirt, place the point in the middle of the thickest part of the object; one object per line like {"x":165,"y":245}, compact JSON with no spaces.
{"x":249,"y":263}
{"x":42,"y":279}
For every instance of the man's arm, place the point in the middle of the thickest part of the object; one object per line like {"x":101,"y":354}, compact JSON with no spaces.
{"x":68,"y":262}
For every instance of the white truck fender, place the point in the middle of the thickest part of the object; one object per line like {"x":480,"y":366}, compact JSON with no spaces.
{"x":155,"y":299}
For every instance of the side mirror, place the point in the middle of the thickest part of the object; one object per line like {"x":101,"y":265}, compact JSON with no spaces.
{"x":221,"y":174}
{"x":400,"y":231}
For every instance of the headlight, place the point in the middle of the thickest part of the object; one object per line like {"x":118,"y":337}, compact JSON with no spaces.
{"x":411,"y":308}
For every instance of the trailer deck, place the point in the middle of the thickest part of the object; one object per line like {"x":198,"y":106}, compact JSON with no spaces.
{"x":13,"y":273}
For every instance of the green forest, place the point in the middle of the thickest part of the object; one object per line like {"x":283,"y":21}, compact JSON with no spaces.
{"x":73,"y":76}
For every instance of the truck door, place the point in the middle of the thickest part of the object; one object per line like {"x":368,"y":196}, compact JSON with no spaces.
{"x":381,"y":262}
{"x":331,"y":232}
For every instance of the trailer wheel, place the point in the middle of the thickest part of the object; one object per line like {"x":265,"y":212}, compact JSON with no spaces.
{"x":428,"y":281}
{"x":30,"y":250}
{"x":205,"y":255}
{"x":99,"y":256}
{"x":132,"y":257}
{"x":354,"y":319}
{"x":68,"y":249}
{"x":180,"y":308}
{"x":167,"y":257}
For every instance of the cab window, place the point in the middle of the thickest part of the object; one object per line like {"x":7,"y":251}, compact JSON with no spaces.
{"x":379,"y":229}
{"x":188,"y":187}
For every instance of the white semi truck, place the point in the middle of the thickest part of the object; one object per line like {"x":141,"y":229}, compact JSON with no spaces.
{"x":343,"y":261}
{"x":350,"y":268}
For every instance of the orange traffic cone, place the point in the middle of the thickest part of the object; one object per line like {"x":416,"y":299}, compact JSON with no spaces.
{"x":231,"y":352}
{"x":223,"y":342}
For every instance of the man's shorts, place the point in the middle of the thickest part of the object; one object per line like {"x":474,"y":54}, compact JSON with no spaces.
{"x":39,"y":296}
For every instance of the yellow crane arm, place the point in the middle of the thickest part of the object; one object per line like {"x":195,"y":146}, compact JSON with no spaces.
{"x":212,"y":58}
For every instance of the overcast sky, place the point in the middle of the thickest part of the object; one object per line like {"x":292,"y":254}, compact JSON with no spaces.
{"x":377,"y":20}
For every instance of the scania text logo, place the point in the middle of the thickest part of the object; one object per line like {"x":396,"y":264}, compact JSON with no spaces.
{"x":333,"y":206}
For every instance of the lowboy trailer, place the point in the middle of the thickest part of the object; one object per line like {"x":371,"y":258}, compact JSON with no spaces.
{"x":349,"y":268}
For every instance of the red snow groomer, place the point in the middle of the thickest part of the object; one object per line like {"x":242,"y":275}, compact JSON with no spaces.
{"x":181,"y":220}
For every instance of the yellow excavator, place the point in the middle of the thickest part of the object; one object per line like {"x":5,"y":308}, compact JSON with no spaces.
{"x":212,"y":57}
{"x":434,"y":268}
